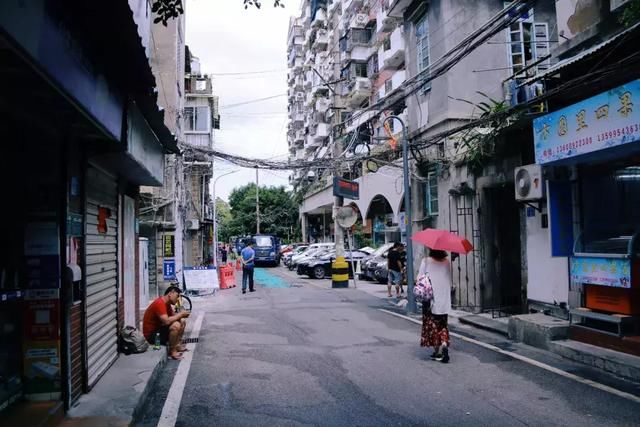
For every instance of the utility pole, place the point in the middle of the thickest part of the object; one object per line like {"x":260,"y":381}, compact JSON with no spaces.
{"x":411,"y":303}
{"x":257,"y":203}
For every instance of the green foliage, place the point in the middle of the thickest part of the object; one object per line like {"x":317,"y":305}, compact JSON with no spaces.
{"x":631,"y":13}
{"x":223,"y":214}
{"x":278,"y":212}
{"x":171,"y":9}
{"x":478,"y":143}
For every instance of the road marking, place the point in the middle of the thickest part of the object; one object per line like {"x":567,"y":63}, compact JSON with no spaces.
{"x":174,"y":398}
{"x":532,"y":362}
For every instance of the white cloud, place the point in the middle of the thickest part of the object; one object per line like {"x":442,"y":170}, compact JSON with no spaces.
{"x":229,"y":39}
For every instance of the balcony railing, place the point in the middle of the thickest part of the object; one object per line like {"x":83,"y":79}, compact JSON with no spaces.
{"x":392,"y":50}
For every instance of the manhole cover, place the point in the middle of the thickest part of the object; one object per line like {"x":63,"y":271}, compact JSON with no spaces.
{"x":190,"y":340}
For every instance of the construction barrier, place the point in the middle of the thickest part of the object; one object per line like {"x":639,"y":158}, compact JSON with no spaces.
{"x":227,"y":277}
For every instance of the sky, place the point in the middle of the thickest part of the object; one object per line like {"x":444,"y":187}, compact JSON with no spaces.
{"x":229,"y":39}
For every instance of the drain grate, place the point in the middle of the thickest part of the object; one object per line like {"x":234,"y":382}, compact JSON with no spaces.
{"x":190,"y":340}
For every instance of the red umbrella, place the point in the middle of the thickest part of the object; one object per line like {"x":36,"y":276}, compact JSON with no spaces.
{"x":443,"y":240}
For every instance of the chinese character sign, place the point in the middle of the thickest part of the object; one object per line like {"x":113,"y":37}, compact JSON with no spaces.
{"x":615,"y":272}
{"x":607,"y":120}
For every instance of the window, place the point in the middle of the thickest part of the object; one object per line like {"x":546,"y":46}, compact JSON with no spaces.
{"x":360,"y":35}
{"x":360,"y":69}
{"x":431,"y":192}
{"x":196,"y":119}
{"x":422,"y":46}
{"x":528,"y":41}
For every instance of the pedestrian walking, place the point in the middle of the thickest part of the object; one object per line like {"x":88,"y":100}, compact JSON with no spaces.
{"x":223,"y":253}
{"x":394,"y":266}
{"x":247,"y":257}
{"x":435,"y":328}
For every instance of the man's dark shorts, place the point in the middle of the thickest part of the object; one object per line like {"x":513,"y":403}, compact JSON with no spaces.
{"x":164,"y":336}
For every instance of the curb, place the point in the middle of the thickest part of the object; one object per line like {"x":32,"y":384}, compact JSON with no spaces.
{"x":142,"y":400}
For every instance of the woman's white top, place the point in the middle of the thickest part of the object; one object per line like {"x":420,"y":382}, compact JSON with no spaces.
{"x":440,"y":275}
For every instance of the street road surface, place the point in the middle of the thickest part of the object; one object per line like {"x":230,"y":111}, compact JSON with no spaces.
{"x":298,"y":353}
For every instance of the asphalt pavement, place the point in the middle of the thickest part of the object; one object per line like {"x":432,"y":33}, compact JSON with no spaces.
{"x":297,"y":352}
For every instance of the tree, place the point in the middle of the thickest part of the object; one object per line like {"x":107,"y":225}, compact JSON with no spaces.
{"x":223,"y":217}
{"x":278,"y":212}
{"x":170,"y":9}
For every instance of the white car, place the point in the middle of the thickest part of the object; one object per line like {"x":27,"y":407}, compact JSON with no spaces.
{"x":311,"y":250}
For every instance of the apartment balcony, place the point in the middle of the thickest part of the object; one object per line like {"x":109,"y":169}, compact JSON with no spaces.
{"x":350,"y":6}
{"x":320,"y":20}
{"x":295,"y":52}
{"x":297,"y":65}
{"x":355,"y":37}
{"x":321,"y":41}
{"x":384,"y":22}
{"x":360,"y":119}
{"x":298,"y":83}
{"x":392,"y":50}
{"x":297,"y":117}
{"x":298,"y":138}
{"x":318,"y":89}
{"x":311,"y":144}
{"x":309,"y":58}
{"x":358,"y":90}
{"x":393,"y":83}
{"x":320,"y":132}
{"x":361,"y":53}
{"x":300,"y":154}
{"x":309,"y":100}
{"x":322,"y":105}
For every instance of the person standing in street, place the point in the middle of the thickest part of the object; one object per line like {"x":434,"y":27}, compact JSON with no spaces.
{"x":394,"y":265}
{"x":223,"y":254}
{"x":435,"y":328}
{"x":247,"y":257}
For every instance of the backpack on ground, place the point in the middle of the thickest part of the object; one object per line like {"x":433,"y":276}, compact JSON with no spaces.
{"x":423,"y":289}
{"x":132,"y":341}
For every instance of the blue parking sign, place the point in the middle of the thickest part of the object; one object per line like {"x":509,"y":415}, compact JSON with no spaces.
{"x":169,"y":269}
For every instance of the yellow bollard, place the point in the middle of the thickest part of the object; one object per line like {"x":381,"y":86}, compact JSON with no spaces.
{"x":340,"y":273}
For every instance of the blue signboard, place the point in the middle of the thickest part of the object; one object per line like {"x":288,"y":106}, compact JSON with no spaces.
{"x":615,"y":272}
{"x":607,"y":120}
{"x":169,"y":269}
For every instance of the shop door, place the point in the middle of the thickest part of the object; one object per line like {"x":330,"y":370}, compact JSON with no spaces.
{"x":101,"y":273}
{"x":502,"y":245}
{"x":128,"y":260}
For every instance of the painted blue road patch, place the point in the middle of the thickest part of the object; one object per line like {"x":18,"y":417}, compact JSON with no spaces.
{"x":266,"y":279}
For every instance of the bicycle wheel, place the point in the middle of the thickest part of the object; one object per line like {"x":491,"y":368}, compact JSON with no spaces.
{"x":185,"y":302}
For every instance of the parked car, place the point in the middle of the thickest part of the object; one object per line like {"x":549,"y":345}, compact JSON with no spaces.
{"x":321,"y":253}
{"x":286,"y":258}
{"x":311,"y":250}
{"x":367,"y":249}
{"x":319,"y":268}
{"x":371,"y":263}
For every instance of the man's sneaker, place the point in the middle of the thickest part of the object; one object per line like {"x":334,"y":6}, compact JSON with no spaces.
{"x":252,"y":290}
{"x":244,"y":292}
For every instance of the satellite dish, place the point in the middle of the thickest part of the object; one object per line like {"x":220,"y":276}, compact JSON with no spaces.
{"x":346,"y":216}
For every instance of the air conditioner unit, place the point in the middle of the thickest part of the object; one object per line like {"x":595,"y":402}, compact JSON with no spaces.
{"x":192,"y":224}
{"x":361,"y":19}
{"x":530,"y":183}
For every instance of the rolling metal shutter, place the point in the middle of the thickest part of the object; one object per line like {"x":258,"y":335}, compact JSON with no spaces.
{"x":101,"y":274}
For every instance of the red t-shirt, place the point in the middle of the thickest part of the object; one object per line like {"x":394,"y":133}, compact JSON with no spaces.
{"x":151,"y":322}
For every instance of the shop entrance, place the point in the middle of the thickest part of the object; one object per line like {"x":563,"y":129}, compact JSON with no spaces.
{"x":503,"y":291}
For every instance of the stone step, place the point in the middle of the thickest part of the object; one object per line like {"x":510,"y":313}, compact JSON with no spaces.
{"x":621,"y":364}
{"x":489,"y":324}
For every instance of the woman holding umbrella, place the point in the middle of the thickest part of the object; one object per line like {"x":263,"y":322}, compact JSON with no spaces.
{"x":435,"y":330}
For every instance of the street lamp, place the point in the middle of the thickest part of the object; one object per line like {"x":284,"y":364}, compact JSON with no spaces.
{"x":411,"y":303}
{"x":215,"y":219}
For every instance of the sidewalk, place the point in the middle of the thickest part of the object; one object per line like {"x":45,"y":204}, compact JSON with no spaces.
{"x":119,"y":394}
{"x":537,"y":330}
